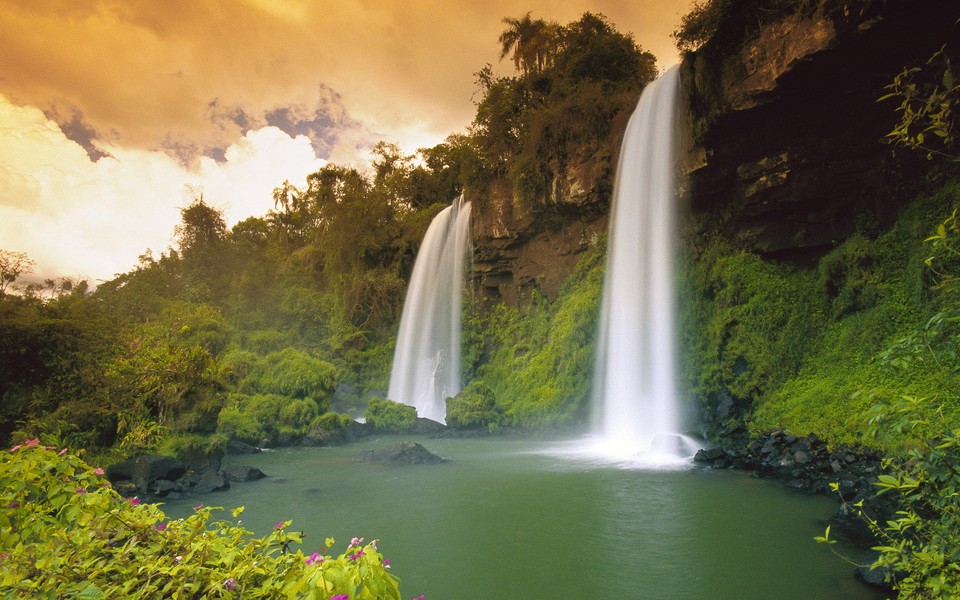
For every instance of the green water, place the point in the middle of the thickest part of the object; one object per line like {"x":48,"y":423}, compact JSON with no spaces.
{"x":503,"y":519}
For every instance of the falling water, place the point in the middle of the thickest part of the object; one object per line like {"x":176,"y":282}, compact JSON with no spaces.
{"x":426,"y":362}
{"x":635,"y":395}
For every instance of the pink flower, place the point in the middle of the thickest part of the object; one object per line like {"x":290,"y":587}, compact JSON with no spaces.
{"x":17,"y":447}
{"x":198,"y":507}
{"x":355,"y":542}
{"x":230,"y":584}
{"x":316,"y":557}
{"x":340,"y":597}
{"x":98,"y":471}
{"x":420,"y":597}
{"x":358,"y":554}
{"x":62,"y":452}
{"x":386,"y":563}
{"x":160,"y":526}
{"x":81,"y":491}
{"x":13,"y":505}
{"x":278,"y":526}
{"x":33,"y":442}
{"x":134,"y":501}
{"x":373,"y":544}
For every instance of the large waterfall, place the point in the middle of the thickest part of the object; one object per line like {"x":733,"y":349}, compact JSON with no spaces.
{"x":426,"y":362}
{"x":635,"y":397}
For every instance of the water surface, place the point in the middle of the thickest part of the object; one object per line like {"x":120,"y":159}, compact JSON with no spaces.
{"x":512,"y":519}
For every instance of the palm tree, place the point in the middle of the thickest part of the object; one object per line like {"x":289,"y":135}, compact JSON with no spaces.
{"x":532,"y":41}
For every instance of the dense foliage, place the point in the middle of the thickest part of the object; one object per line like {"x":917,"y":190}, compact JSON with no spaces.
{"x":64,"y":533}
{"x":814,"y":349}
{"x":730,"y":22}
{"x":560,"y":109}
{"x":541,"y":355}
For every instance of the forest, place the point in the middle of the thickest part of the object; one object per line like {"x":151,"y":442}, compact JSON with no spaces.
{"x":280,"y":330}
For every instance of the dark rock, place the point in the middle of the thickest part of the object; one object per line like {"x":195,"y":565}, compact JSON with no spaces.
{"x":709,"y":455}
{"x":242,"y":473}
{"x":203,"y":460}
{"x":145,"y":469}
{"x":426,"y":426}
{"x":206,"y":482}
{"x":404,"y":453}
{"x":163,"y":488}
{"x":875,"y":578}
{"x":237,"y":447}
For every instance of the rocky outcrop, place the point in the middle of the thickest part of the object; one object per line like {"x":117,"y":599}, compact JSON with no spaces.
{"x":156,"y":477}
{"x":521,"y":246}
{"x":808,"y":465}
{"x":784,"y":145}
{"x":404,"y":453}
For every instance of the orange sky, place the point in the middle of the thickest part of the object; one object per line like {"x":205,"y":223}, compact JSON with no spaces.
{"x":113,"y":113}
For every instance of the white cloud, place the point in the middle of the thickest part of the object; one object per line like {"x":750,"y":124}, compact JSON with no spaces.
{"x":80,"y":218}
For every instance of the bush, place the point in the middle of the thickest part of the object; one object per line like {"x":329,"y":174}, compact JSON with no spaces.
{"x":297,"y":414}
{"x":295,"y":373}
{"x":474,"y":407}
{"x":64,"y":533}
{"x":240,"y":425}
{"x":331,"y":422}
{"x":387,"y":415}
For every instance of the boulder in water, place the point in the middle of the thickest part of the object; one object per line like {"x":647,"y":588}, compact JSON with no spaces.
{"x":404,"y":453}
{"x":243,"y":473}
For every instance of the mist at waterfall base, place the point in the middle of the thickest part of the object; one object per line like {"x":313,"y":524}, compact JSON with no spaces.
{"x":426,"y":361}
{"x":635,"y":400}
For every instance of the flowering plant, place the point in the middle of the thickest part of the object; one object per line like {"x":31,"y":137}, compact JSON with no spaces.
{"x":65,"y":533}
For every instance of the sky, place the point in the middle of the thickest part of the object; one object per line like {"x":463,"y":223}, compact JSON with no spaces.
{"x":114,"y":114}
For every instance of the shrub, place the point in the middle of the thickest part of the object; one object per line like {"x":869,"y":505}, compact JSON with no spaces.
{"x":295,"y":373}
{"x":64,"y":533}
{"x":330,"y":422}
{"x":297,"y":414}
{"x":387,"y":415}
{"x":240,"y":425}
{"x":474,"y":407}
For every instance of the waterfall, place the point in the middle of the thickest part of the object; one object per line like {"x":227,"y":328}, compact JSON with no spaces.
{"x":426,"y":362}
{"x":634,"y":395}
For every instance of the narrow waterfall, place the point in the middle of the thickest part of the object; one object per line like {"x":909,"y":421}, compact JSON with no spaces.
{"x":634,"y":396}
{"x":426,"y":361}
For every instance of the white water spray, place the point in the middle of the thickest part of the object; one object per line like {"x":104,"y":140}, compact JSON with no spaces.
{"x":426,"y":362}
{"x":635,"y":397}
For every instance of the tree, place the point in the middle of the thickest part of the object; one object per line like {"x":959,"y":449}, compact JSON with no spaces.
{"x":532,"y":41}
{"x":12,"y":266}
{"x":202,"y":228}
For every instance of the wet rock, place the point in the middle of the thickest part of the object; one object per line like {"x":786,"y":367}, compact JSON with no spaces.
{"x":237,"y":447}
{"x":404,"y":453}
{"x":242,"y":473}
{"x":145,"y":469}
{"x":206,"y":482}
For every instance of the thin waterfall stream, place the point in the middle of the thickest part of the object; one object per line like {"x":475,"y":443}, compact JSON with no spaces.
{"x":426,"y":362}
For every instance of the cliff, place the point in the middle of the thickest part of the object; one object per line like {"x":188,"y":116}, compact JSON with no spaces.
{"x":519,"y":247}
{"x":784,"y":133}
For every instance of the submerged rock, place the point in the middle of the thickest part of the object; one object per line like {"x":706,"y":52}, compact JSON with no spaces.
{"x":404,"y":453}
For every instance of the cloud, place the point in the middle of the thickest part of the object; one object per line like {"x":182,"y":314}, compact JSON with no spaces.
{"x":145,"y":74}
{"x":92,"y":218}
{"x":112,"y":111}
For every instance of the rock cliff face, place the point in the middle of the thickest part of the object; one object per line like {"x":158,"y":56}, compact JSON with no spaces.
{"x":519,"y":248}
{"x":785,"y":147}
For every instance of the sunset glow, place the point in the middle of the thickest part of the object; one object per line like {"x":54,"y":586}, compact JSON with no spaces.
{"x":113,"y":115}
